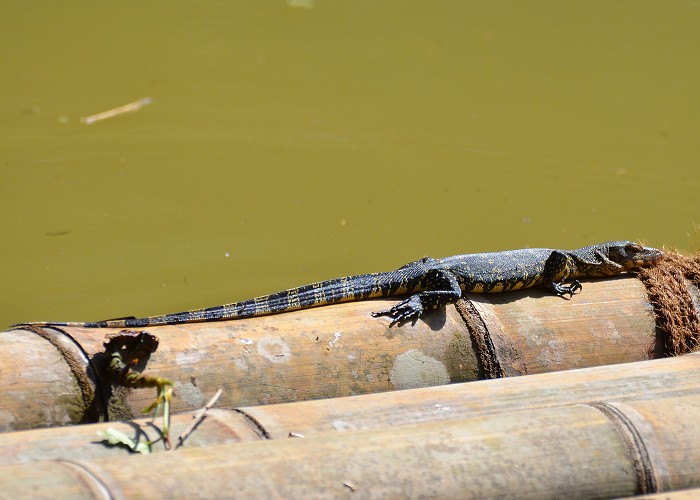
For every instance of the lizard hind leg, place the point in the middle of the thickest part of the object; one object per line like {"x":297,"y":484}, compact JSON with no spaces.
{"x":439,"y":288}
{"x":409,"y":309}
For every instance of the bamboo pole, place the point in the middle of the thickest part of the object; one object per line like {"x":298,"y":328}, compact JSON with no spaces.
{"x":639,"y":381}
{"x":610,"y":321}
{"x":331,"y":351}
{"x":37,"y":387}
{"x":318,"y":353}
{"x":601,"y":449}
{"x":688,"y":494}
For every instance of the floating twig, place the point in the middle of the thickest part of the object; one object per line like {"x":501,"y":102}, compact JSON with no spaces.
{"x":111,"y":113}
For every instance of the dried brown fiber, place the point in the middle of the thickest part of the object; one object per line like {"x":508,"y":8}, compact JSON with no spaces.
{"x":675,"y":307}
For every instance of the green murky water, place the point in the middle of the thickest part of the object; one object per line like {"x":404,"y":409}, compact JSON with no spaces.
{"x":288,"y":142}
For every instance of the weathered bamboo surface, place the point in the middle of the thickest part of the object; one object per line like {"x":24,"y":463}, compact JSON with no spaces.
{"x":602,"y":449}
{"x":331,"y":351}
{"x":670,"y":377}
{"x":689,"y":494}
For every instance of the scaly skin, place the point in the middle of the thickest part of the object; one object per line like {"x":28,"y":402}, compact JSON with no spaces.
{"x":429,"y":283}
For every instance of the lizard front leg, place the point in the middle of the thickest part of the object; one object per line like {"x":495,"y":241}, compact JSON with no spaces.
{"x":558,"y":267}
{"x":440,"y":287}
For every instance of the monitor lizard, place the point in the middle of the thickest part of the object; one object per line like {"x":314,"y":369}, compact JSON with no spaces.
{"x":429,"y":283}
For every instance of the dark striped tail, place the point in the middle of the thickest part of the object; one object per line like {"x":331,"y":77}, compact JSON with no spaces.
{"x":360,"y":287}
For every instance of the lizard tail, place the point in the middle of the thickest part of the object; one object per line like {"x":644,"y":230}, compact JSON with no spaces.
{"x":360,"y":287}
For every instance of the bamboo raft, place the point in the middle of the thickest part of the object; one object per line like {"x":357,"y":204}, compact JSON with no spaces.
{"x":617,"y":422}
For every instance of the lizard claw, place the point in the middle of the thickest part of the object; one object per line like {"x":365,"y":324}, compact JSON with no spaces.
{"x":570,"y":290}
{"x":409,"y":309}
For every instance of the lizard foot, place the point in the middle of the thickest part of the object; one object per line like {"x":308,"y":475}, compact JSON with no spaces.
{"x":570,"y":290}
{"x":409,"y":309}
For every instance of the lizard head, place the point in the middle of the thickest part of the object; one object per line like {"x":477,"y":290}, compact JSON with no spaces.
{"x":632,"y":255}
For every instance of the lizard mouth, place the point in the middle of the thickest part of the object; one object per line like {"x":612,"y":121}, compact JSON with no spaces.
{"x":646,"y":259}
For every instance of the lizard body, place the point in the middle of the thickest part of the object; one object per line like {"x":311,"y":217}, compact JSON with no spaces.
{"x":429,"y":283}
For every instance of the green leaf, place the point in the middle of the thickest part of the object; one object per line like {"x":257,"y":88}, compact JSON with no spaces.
{"x":115,"y":437}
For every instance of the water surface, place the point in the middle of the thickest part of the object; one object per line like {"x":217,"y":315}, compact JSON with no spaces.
{"x":288,"y":142}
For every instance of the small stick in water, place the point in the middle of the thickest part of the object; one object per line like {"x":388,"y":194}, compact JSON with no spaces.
{"x":110,"y":113}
